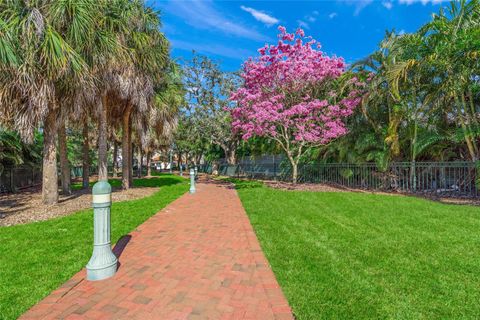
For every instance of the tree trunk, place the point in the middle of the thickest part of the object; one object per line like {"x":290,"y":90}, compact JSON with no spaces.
{"x":102,"y":141}
{"x":49,"y":173}
{"x":130,"y":157}
{"x":64,"y":165}
{"x":115,"y":156}
{"x":294,"y":173}
{"x":126,"y":146}
{"x":294,"y":167}
{"x":149,"y":167}
{"x":466,"y":133}
{"x":231,"y":156}
{"x":140,"y":162}
{"x":413,"y":170}
{"x":86,"y":157}
{"x":180,"y":163}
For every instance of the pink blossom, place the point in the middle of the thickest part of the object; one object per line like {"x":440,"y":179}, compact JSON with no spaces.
{"x":280,"y":96}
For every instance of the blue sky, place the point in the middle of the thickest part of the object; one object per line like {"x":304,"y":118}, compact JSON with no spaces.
{"x":231,"y":31}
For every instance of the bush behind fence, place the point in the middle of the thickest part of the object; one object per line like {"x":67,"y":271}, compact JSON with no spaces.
{"x":16,"y":178}
{"x":456,"y":179}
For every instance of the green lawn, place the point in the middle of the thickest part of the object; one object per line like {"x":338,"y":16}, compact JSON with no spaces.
{"x":37,"y":258}
{"x":365,"y":256}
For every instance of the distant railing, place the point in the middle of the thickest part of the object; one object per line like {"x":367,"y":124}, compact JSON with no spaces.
{"x":456,"y":179}
{"x":16,"y":178}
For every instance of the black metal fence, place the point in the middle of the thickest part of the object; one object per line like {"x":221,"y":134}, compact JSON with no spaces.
{"x":17,"y":178}
{"x":455,"y":179}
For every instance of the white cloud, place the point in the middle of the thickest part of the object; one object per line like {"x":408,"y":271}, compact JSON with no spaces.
{"x":312,"y":17}
{"x":261,"y":16}
{"x":332,"y":15}
{"x":303,"y":24}
{"x":401,"y":32}
{"x":387,"y":4}
{"x":359,"y":4}
{"x":203,"y":15}
{"x":424,"y":2}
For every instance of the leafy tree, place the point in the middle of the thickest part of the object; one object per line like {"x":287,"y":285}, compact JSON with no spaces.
{"x":208,"y":91}
{"x":295,"y":95}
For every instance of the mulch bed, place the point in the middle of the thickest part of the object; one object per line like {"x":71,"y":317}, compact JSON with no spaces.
{"x":26,"y":206}
{"x":328,"y":188}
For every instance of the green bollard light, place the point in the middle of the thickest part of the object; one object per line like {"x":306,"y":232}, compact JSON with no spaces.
{"x":192,"y":181}
{"x":103,"y":263}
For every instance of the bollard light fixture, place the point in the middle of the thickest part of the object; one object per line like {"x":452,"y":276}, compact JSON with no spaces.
{"x":192,"y":181}
{"x":103,"y":263}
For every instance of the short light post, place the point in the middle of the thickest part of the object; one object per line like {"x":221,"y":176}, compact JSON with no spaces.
{"x":171,"y":163}
{"x":196,"y":172}
{"x":181,"y":169}
{"x":192,"y":181}
{"x":103,"y":263}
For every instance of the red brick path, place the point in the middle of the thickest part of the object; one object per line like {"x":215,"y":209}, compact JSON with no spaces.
{"x":196,"y":259}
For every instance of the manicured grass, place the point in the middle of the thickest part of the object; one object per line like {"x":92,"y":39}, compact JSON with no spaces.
{"x":37,"y":258}
{"x":365,"y":256}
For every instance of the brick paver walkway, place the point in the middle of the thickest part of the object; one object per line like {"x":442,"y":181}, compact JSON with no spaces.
{"x":196,"y":259}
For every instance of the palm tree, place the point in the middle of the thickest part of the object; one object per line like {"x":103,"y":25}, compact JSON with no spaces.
{"x":41,"y":67}
{"x":454,"y":36}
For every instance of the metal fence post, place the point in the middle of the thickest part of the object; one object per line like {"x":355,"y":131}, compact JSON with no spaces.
{"x":103,"y":263}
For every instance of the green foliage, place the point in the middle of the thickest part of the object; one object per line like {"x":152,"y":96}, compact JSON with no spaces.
{"x":13,"y":151}
{"x":205,"y":122}
{"x":422,"y":100}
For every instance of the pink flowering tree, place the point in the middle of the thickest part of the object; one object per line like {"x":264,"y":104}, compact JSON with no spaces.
{"x":295,"y":95}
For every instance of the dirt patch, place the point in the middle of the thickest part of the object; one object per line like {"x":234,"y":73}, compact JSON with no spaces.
{"x":27,"y":206}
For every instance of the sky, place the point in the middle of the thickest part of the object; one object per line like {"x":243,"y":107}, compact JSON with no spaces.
{"x":231,"y":31}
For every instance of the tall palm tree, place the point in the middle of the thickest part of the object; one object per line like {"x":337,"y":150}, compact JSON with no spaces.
{"x":41,"y":68}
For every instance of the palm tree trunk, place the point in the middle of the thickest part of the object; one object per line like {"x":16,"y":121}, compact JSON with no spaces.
{"x":180,"y":163}
{"x":64,"y":165}
{"x":50,"y":176}
{"x":86,"y":157}
{"x":466,"y":134}
{"x":126,"y":146}
{"x":413,"y":170}
{"x":115,"y":156}
{"x":140,"y":160}
{"x":102,"y":141}
{"x":149,"y":168}
{"x":130,"y":156}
